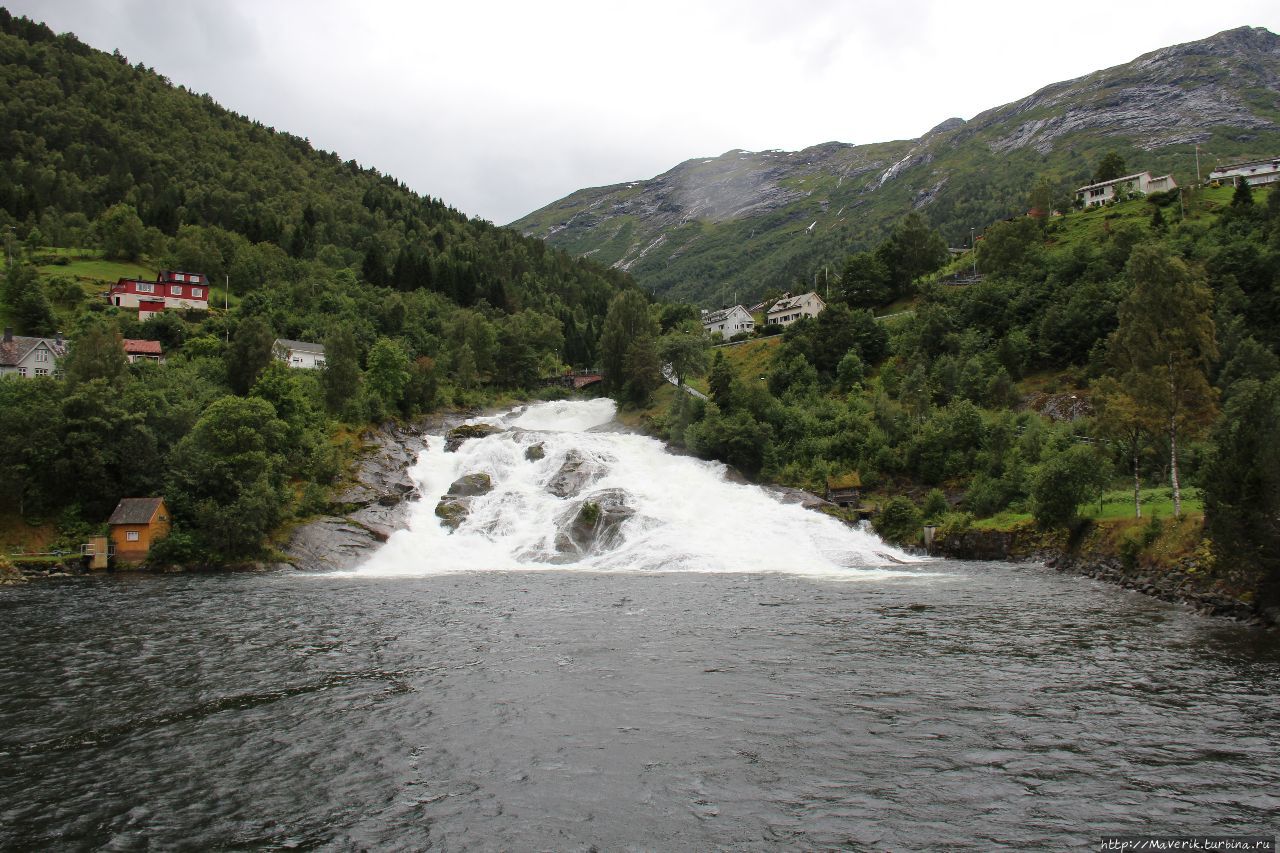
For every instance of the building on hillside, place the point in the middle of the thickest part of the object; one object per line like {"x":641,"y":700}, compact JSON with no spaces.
{"x":845,"y":490}
{"x":301,"y":354}
{"x":1092,"y":195}
{"x":1252,"y":172}
{"x":728,"y":321}
{"x":136,"y":525}
{"x":136,"y":350}
{"x":170,"y":290}
{"x":29,"y":357}
{"x":790,"y":308}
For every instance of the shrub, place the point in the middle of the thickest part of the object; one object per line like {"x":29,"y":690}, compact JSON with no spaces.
{"x":935,"y":505}
{"x":899,"y":521}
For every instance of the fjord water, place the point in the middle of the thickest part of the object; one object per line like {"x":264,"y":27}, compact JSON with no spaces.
{"x":838,"y":700}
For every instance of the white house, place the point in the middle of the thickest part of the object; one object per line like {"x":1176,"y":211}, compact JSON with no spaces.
{"x":1253,"y":172}
{"x":23,"y":356}
{"x":790,"y":308}
{"x":1100,"y":193}
{"x":299,"y":353}
{"x":728,"y":321}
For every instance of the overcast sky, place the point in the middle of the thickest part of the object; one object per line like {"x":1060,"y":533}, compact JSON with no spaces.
{"x":502,"y":107}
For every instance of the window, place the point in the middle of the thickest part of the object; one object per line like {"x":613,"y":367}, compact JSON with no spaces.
{"x":319,"y":362}
{"x":131,"y":536}
{"x":42,"y":355}
{"x":22,"y":371}
{"x":42,"y":371}
{"x":145,"y":287}
{"x":177,"y":290}
{"x":196,"y":292}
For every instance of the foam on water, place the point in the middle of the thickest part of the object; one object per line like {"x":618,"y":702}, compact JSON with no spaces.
{"x":688,"y":515}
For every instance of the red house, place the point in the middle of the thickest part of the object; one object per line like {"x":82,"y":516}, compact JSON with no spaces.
{"x":172,"y":289}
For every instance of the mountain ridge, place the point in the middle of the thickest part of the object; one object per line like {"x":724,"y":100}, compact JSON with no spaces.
{"x":746,"y":222}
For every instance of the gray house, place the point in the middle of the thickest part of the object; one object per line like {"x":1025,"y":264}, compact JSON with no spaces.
{"x":29,"y":357}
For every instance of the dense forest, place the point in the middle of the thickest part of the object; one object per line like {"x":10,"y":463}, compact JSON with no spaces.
{"x":107,"y":167}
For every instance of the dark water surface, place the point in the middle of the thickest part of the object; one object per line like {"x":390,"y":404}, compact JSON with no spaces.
{"x":996,"y":706}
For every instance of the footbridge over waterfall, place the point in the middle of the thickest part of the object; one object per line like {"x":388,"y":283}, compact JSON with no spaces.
{"x":577,"y":379}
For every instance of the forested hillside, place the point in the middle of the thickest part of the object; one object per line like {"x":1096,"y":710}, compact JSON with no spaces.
{"x":106,"y":171}
{"x":1119,"y":362}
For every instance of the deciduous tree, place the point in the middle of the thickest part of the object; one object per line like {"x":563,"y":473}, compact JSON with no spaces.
{"x":1164,"y":345}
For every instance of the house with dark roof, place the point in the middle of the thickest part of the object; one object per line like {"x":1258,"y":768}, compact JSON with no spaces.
{"x":28,"y":357}
{"x":728,"y":321}
{"x":136,"y":350}
{"x":136,"y":525}
{"x":790,"y":308}
{"x":307,"y":356}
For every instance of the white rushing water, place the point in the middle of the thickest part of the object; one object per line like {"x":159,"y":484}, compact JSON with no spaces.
{"x":681,"y":514}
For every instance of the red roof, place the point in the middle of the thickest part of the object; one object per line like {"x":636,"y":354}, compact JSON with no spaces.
{"x":134,"y":347}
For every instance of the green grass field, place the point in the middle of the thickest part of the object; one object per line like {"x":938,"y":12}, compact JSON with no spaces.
{"x":1115,"y":505}
{"x":749,"y":360}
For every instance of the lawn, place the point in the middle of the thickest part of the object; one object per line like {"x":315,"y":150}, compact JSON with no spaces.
{"x":91,"y":267}
{"x":1114,"y":505}
{"x":749,"y":360}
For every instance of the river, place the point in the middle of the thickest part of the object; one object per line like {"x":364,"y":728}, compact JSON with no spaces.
{"x":726,"y":674}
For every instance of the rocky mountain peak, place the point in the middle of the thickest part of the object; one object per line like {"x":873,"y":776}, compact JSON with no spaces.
{"x":718,"y":228}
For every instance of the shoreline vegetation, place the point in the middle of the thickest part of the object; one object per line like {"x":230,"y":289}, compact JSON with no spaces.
{"x":1162,"y":557}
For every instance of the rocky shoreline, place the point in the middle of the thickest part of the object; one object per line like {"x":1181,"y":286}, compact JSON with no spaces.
{"x":1188,"y":581}
{"x":365,"y":513}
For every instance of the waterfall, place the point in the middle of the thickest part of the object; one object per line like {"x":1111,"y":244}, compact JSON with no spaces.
{"x":567,"y":490}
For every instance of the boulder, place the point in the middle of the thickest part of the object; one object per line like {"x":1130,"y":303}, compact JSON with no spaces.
{"x":453,"y":511}
{"x":574,"y":475}
{"x":455,"y":504}
{"x":534,"y":452}
{"x":471,"y":485}
{"x":594,"y":525}
{"x":455,"y":437}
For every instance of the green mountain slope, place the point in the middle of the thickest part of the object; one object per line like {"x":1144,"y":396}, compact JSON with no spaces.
{"x":731,"y":227}
{"x":82,"y":130}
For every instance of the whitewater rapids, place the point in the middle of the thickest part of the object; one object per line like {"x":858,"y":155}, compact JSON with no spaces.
{"x":687,"y":516}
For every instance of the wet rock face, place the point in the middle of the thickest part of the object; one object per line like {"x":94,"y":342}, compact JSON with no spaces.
{"x":574,"y":475}
{"x":460,"y":434}
{"x":369,"y":509}
{"x":455,"y":505}
{"x":594,"y":525}
{"x":534,"y":452}
{"x":332,"y":544}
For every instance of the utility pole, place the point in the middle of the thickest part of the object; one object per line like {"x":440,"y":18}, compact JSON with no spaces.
{"x":226,"y":304}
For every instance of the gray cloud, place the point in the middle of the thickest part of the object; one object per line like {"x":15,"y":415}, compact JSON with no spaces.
{"x":503,"y":107}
